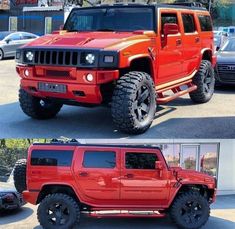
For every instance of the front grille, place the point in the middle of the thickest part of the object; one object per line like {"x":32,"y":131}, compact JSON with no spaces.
{"x":56,"y":57}
{"x":226,"y":72}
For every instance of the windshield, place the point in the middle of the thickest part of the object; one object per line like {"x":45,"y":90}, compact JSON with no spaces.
{"x":111,"y":19}
{"x":229,"y":46}
{"x":3,"y":35}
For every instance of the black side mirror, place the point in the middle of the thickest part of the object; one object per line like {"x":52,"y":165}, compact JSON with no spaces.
{"x":8,"y":41}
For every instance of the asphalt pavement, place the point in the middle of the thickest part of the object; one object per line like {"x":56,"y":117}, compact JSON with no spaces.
{"x":222,"y":217}
{"x":178,"y":119}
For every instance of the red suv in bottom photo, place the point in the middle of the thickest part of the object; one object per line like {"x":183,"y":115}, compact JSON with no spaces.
{"x":70,"y":179}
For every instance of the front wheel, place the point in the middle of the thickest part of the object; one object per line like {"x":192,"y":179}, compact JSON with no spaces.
{"x":58,"y":211}
{"x":205,"y":82}
{"x":1,"y":54}
{"x":190,"y":210}
{"x":133,"y":104}
{"x":38,"y":108}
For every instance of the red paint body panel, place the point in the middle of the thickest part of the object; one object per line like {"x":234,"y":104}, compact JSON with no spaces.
{"x":110,"y":189}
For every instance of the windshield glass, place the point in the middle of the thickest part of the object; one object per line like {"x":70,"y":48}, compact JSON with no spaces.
{"x":3,"y":35}
{"x":111,"y":19}
{"x":229,"y":46}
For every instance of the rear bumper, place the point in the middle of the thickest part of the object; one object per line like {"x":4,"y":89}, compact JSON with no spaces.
{"x":78,"y":89}
{"x":31,"y":196}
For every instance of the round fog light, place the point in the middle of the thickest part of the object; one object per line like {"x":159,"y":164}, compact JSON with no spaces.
{"x":89,"y":77}
{"x":26,"y":72}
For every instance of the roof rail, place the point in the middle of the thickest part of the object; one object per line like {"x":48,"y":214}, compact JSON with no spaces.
{"x":190,"y":4}
{"x":67,"y":141}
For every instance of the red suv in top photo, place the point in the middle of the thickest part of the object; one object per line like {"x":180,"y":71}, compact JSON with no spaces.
{"x":130,"y":57}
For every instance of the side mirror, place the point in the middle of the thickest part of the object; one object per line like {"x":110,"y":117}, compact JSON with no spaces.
{"x":158,"y":165}
{"x":217,"y":48}
{"x":170,"y":29}
{"x":61,"y":27}
{"x":7,"y":41}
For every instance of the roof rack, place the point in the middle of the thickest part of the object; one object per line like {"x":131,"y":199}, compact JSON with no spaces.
{"x":189,"y":4}
{"x":67,"y":141}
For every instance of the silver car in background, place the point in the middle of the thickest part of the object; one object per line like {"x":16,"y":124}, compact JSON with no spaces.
{"x":10,"y":41}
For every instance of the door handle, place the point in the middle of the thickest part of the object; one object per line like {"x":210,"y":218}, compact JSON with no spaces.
{"x":83,"y":174}
{"x":197,"y":40}
{"x":178,"y":42}
{"x":129,"y":175}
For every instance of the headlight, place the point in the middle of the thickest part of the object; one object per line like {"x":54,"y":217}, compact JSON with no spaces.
{"x":90,"y":58}
{"x":29,"y":56}
{"x":108,"y":59}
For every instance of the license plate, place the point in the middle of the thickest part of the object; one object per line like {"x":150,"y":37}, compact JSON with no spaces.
{"x":52,"y":87}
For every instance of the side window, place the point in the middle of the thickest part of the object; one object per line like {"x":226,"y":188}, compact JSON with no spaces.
{"x":140,"y":160}
{"x":51,"y":157}
{"x":168,"y":18}
{"x":189,"y":23}
{"x":99,"y":159}
{"x":26,"y":36}
{"x":14,"y":37}
{"x":205,"y":23}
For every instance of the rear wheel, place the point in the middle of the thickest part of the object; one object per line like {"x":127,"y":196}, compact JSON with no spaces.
{"x":190,"y":210}
{"x":205,"y":82}
{"x":1,"y":54}
{"x":58,"y":211}
{"x":38,"y":108}
{"x":19,"y":175}
{"x":134,"y":102}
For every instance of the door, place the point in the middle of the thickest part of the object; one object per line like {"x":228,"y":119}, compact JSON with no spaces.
{"x":141,"y":183}
{"x":170,"y":54}
{"x":191,"y":43}
{"x":13,"y":42}
{"x":189,"y":157}
{"x":97,"y":173}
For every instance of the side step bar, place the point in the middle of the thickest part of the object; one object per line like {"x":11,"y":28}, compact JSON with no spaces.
{"x":127,"y":214}
{"x":177,"y":92}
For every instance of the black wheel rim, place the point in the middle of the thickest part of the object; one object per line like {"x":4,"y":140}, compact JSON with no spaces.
{"x":58,"y":214}
{"x":191,"y":212}
{"x":142,"y":103}
{"x":208,"y":80}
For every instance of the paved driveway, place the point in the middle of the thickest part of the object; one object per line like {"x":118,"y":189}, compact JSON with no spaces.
{"x":222,"y":217}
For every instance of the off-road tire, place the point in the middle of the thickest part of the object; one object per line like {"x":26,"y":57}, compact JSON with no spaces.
{"x":1,"y":54}
{"x":38,"y":108}
{"x":19,"y":175}
{"x":204,"y":79}
{"x":72,"y":211}
{"x":178,"y":210}
{"x":128,"y":102}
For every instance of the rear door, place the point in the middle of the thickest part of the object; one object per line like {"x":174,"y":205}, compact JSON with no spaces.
{"x":191,"y":42}
{"x":97,"y":173}
{"x":141,"y":183}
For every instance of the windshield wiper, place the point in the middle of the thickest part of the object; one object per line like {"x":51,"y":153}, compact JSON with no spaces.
{"x":106,"y":29}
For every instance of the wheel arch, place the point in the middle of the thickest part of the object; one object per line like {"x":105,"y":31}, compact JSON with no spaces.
{"x":57,"y":188}
{"x":202,"y":189}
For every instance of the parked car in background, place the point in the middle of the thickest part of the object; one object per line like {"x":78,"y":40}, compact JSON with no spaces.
{"x":10,"y":41}
{"x":4,"y":173}
{"x":225,"y":69}
{"x":220,"y":39}
{"x":10,"y":199}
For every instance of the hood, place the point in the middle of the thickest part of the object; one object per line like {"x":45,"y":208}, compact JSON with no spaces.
{"x":7,"y":187}
{"x":98,"y":40}
{"x":189,"y":175}
{"x":225,"y":57}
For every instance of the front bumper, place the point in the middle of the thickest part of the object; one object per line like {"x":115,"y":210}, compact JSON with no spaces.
{"x":224,"y":75}
{"x":13,"y":203}
{"x":78,"y":88}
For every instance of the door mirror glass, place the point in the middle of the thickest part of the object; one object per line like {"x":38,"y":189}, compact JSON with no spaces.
{"x":158,"y":165}
{"x":170,"y":29}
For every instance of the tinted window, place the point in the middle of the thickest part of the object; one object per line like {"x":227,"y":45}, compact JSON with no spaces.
{"x":14,"y":37}
{"x":169,"y":18}
{"x":205,"y":23}
{"x":140,"y":160}
{"x":189,"y":24}
{"x":52,"y":157}
{"x":99,"y":159}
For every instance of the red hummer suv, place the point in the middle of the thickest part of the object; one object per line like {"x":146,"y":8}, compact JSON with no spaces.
{"x":67,"y":179}
{"x":126,"y":56}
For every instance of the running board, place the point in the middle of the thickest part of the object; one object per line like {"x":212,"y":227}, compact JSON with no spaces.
{"x":127,"y":214}
{"x":177,"y":92}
